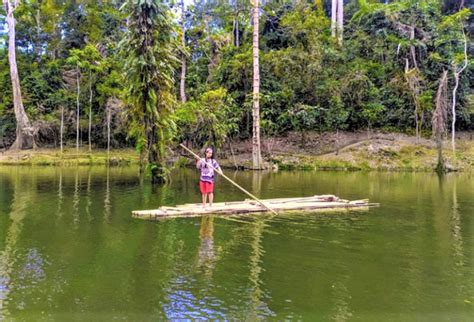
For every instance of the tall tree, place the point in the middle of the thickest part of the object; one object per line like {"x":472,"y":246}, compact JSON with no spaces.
{"x":333,"y":18}
{"x":256,"y":153}
{"x":337,"y":15}
{"x":340,"y":21}
{"x":24,"y":131}
{"x":456,"y":73}
{"x":150,"y":50}
{"x":453,"y":35}
{"x":75,"y":60}
{"x":182,"y":84}
{"x":85,"y":60}
{"x":438,"y":121}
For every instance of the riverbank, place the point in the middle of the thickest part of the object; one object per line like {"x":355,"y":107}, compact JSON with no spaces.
{"x":314,"y":151}
{"x":350,"y":151}
{"x":69,"y":157}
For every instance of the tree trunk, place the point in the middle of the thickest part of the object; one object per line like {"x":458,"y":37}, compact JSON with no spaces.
{"x":256,"y":154}
{"x":412,"y":79}
{"x":90,"y":111}
{"x":156,"y":154}
{"x":412,"y":48}
{"x":340,"y":18}
{"x":453,"y":111}
{"x":438,"y":120}
{"x":109,"y":117}
{"x":38,"y":34}
{"x":233,"y":155}
{"x":456,"y":85}
{"x":61,"y":129}
{"x":440,"y":167}
{"x":182,"y":84}
{"x":211,"y":63}
{"x":233,"y":31}
{"x":77,"y":109}
{"x":237,"y":33}
{"x":333,"y":17}
{"x":24,"y":131}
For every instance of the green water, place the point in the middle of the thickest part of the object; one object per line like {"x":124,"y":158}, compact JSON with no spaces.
{"x":69,"y":249}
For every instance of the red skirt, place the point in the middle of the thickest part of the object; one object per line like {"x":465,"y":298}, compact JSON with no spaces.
{"x":206,"y":187}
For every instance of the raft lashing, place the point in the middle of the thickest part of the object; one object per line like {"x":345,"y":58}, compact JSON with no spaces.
{"x":249,"y":206}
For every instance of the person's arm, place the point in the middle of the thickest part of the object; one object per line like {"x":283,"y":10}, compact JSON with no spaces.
{"x":198,"y":164}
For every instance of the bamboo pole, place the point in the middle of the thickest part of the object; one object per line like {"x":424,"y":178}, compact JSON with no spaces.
{"x":231,"y":181}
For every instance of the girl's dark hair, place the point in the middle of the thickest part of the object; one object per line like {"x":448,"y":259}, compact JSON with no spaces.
{"x":212,"y":150}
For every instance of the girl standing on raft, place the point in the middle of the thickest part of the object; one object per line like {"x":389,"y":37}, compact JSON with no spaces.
{"x":206,"y":182}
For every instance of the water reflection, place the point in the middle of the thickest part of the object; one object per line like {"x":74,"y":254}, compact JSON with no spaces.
{"x":259,"y":308}
{"x":88,"y":195}
{"x":456,"y":228}
{"x":341,"y":299}
{"x":257,"y":177}
{"x":76,"y":199}
{"x":20,"y":269}
{"x":207,"y":252}
{"x":107,"y":204}
{"x":60,"y":194}
{"x":69,"y":245}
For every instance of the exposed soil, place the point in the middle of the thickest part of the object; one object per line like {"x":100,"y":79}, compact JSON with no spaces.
{"x":341,"y":151}
{"x":350,"y":147}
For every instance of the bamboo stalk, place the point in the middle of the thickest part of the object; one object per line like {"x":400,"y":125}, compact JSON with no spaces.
{"x":221,"y":209}
{"x":231,"y":181}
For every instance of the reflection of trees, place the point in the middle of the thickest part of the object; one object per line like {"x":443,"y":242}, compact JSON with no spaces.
{"x":60,"y":194}
{"x":76,"y":199}
{"x":23,"y":200}
{"x":341,"y":298}
{"x":107,"y":203}
{"x":259,"y":307}
{"x":165,"y":264}
{"x":206,"y":252}
{"x":43,"y":252}
{"x":456,"y":228}
{"x":256,"y":255}
{"x":450,"y":227}
{"x":88,"y":195}
{"x":257,"y":182}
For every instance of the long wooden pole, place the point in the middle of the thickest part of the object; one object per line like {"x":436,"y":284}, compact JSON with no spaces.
{"x":231,"y":181}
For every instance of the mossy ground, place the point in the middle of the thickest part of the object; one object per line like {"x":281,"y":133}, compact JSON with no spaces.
{"x":395,"y":157}
{"x":385,"y":152}
{"x":54,"y":157}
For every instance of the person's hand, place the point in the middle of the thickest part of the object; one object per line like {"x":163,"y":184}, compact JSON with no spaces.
{"x":198,"y":163}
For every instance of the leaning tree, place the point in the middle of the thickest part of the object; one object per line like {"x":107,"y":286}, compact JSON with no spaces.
{"x":24,"y":130}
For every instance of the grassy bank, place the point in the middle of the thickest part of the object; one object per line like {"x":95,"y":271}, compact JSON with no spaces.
{"x":406,"y":158}
{"x":355,"y":152}
{"x":385,"y":152}
{"x":54,"y":157}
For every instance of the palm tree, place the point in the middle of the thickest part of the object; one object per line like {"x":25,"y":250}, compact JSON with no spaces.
{"x":256,"y":153}
{"x":150,"y":60}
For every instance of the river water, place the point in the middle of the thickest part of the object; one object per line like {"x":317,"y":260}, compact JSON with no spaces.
{"x":70,"y":250}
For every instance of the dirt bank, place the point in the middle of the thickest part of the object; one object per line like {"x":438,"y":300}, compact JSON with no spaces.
{"x":354,"y":151}
{"x":322,"y":151}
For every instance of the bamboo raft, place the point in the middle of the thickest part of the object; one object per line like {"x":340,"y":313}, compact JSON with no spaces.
{"x":248,"y":206}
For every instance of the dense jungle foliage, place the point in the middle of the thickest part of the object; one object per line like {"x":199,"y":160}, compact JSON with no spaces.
{"x":78,"y":53}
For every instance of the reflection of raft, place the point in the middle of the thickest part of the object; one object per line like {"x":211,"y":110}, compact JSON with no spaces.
{"x":323,"y":202}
